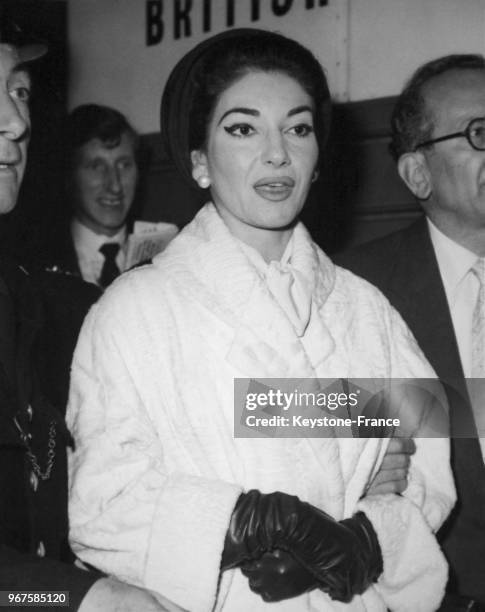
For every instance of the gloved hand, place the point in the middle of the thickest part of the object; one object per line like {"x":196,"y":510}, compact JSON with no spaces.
{"x":277,"y":575}
{"x":258,"y":523}
{"x":344,"y":557}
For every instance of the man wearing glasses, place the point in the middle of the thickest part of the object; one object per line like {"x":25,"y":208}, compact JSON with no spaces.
{"x":433,"y":272}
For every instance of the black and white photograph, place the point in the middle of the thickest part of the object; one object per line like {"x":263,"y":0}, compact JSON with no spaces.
{"x":242,"y":305}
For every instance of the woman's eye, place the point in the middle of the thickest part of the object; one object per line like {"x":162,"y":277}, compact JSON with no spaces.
{"x":21,"y":93}
{"x":302,"y":129}
{"x":240,"y":129}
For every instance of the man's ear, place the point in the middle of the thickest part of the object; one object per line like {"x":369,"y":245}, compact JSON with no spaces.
{"x":414,"y":171}
{"x":200,"y":169}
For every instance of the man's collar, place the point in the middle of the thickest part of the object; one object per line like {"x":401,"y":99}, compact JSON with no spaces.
{"x":454,"y":260}
{"x":86,"y":240}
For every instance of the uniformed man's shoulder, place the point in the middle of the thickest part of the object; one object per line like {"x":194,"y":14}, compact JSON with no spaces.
{"x":65,"y":280}
{"x":58,"y":284}
{"x":13,"y":275}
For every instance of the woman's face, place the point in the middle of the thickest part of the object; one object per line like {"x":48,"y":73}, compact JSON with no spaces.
{"x":261,"y":153}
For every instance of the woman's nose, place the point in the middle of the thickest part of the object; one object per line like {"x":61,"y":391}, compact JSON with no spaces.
{"x":275,"y":152}
{"x":13,"y":124}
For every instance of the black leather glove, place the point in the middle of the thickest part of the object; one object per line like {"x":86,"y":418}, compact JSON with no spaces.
{"x":258,"y":523}
{"x":277,"y":575}
{"x":344,"y":557}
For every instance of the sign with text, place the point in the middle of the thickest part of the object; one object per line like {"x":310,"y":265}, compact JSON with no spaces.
{"x":122,"y":51}
{"x":188,"y":17}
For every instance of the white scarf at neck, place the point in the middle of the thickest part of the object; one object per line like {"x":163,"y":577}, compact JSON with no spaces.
{"x":288,"y":285}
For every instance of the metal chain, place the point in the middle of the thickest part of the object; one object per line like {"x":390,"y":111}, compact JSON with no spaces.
{"x":51,"y":453}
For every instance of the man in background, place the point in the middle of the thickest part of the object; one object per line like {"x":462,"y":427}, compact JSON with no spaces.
{"x":433,"y":272}
{"x":102,"y":174}
{"x":34,"y":555}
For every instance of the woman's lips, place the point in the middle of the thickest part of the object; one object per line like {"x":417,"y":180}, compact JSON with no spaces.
{"x":275,"y":189}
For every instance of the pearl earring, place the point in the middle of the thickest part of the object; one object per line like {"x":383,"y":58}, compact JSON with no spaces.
{"x":204,"y":181}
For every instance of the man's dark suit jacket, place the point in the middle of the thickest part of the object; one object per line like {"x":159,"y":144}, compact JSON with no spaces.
{"x":403,"y":266}
{"x":47,"y":311}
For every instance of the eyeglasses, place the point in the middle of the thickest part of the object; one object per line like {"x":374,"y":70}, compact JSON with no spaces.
{"x":474,"y":133}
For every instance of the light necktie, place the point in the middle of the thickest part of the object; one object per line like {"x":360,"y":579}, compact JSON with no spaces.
{"x":477,"y":386}
{"x":478,"y":322}
{"x":110,"y":268}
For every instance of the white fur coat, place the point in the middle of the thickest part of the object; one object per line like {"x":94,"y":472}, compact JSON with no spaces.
{"x":157,"y":470}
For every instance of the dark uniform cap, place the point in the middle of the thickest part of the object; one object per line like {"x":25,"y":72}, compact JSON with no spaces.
{"x":28,"y":47}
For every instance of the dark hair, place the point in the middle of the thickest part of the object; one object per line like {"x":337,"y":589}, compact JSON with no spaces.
{"x":201,"y":76}
{"x":228,"y":61}
{"x":90,"y":121}
{"x":411,"y":121}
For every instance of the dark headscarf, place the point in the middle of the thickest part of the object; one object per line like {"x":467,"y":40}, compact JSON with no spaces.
{"x":181,"y":87}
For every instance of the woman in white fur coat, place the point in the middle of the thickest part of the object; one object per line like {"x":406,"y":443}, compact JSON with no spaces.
{"x":162,"y":494}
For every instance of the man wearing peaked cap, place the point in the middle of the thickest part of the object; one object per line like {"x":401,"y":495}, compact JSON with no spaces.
{"x":40,"y":315}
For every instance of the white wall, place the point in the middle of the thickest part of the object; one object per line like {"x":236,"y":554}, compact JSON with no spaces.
{"x":112,"y":64}
{"x":389,"y":39}
{"x":368,"y":47}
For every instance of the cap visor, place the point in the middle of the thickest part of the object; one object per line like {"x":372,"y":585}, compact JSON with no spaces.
{"x":28,"y":53}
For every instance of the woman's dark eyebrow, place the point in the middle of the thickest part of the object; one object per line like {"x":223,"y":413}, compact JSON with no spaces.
{"x":255,"y":113}
{"x":300,"y":109}
{"x":240,"y":109}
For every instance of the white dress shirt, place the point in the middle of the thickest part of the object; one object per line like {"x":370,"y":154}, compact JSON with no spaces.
{"x":87,"y":243}
{"x":461,"y":287}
